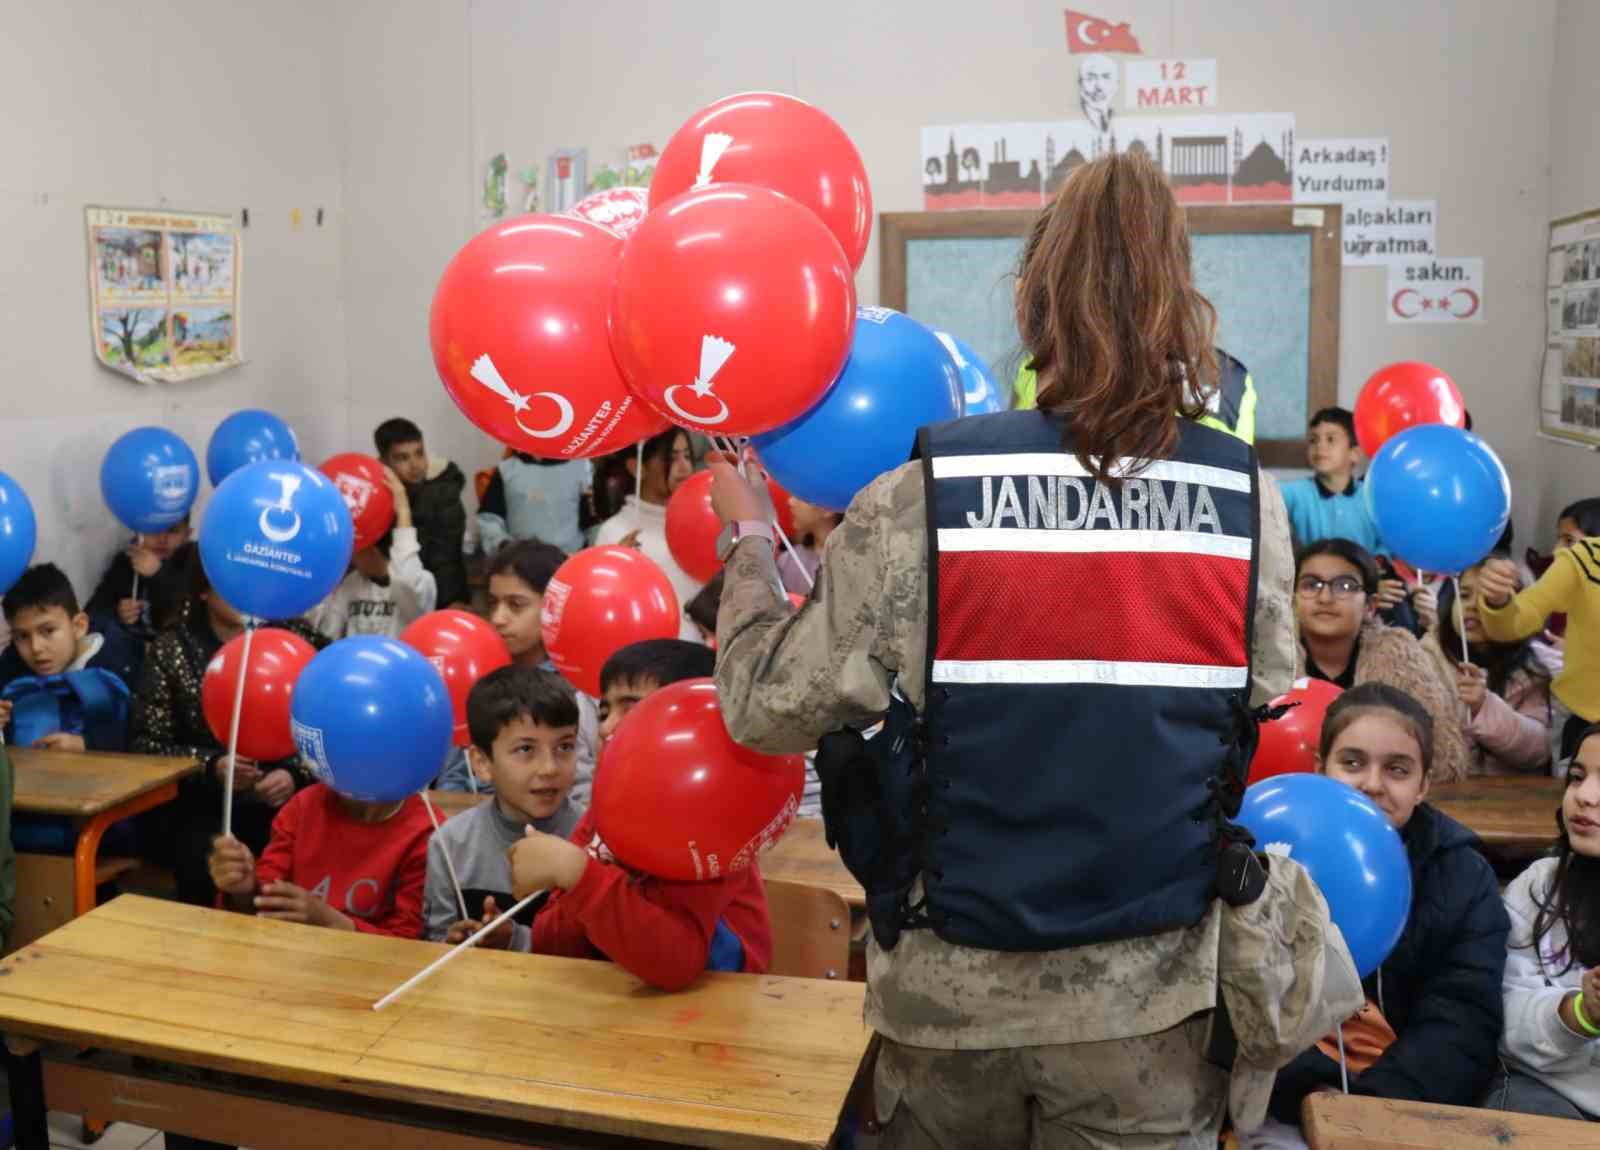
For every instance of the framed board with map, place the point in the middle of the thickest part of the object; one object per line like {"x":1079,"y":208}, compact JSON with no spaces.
{"x":164,"y":292}
{"x":1569,"y":388}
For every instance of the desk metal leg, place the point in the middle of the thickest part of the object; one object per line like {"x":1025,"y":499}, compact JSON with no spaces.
{"x":28,"y":1110}
{"x":85,"y":859}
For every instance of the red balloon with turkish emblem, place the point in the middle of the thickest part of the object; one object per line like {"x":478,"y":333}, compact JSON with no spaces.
{"x":360,"y":481}
{"x":1288,"y":745}
{"x":677,"y":798}
{"x":599,"y":601}
{"x":276,"y":659}
{"x":733,"y":310}
{"x":463,"y":648}
{"x":518,"y":329}
{"x":778,"y":142}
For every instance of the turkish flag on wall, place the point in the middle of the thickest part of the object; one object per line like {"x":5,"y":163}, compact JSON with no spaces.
{"x":1087,"y":33}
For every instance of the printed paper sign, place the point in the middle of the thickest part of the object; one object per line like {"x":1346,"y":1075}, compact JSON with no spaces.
{"x":1436,"y":291}
{"x":1400,"y":231}
{"x":1208,"y":159}
{"x":1154,"y":85}
{"x":1341,"y":171}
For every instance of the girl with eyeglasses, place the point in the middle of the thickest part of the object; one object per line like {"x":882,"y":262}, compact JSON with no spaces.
{"x":1346,"y":644}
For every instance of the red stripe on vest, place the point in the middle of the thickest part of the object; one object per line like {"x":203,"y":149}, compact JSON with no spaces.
{"x":1108,"y":607}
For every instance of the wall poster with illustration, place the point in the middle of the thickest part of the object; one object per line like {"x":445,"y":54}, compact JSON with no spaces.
{"x":1569,"y":393}
{"x":164,"y":292}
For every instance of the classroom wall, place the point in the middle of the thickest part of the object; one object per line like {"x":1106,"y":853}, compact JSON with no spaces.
{"x":1467,"y":108}
{"x":189,"y":104}
{"x":385,"y":114}
{"x":1572,"y":473}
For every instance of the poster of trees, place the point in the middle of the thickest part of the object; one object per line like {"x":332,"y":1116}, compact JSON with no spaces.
{"x":164,"y":292}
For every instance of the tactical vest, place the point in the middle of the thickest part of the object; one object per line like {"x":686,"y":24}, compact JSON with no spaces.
{"x":1086,"y":730}
{"x":1232,"y":407}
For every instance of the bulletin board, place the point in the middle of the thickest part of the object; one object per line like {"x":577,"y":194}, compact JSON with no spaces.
{"x":1271,"y":271}
{"x":1569,"y":392}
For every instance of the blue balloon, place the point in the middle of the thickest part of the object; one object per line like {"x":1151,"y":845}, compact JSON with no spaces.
{"x":898,"y":378}
{"x":247,"y":437}
{"x":149,"y":478}
{"x":372,"y":717}
{"x":1349,"y":849}
{"x":276,"y":539}
{"x":19,"y":531}
{"x":980,"y":394}
{"x":1440,"y":497}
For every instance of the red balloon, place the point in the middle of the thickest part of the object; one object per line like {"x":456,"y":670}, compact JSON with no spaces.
{"x":359,"y":479}
{"x":733,"y":310}
{"x":677,"y":798}
{"x":693,"y":525}
{"x":1403,"y":395}
{"x":599,"y":601}
{"x":1288,"y":745}
{"x":518,"y":328}
{"x":616,"y":209}
{"x":463,"y":648}
{"x":276,"y":659}
{"x":778,"y":142}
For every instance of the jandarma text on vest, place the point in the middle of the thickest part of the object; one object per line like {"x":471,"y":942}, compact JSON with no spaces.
{"x":1063,"y":503}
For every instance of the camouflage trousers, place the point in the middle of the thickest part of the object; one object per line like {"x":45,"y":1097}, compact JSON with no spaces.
{"x":1145,"y":1093}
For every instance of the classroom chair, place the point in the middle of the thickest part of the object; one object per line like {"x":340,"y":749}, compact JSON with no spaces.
{"x":810,"y":931}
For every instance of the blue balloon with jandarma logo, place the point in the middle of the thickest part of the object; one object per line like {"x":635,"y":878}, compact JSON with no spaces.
{"x":372,"y":717}
{"x":149,"y":479}
{"x":980,"y":393}
{"x":276,"y":539}
{"x":247,"y":437}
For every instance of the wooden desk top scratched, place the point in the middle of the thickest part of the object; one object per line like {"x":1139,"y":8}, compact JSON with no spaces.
{"x":735,"y":1060}
{"x":84,"y":783}
{"x":1512,"y":814}
{"x":1349,"y":1122}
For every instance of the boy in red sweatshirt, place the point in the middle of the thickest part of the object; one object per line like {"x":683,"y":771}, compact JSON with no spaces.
{"x":662,"y":931}
{"x":333,"y":861}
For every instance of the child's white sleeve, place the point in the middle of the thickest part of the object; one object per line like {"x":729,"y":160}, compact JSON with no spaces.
{"x":412,"y":584}
{"x":332,"y":615}
{"x":1534,"y":1034}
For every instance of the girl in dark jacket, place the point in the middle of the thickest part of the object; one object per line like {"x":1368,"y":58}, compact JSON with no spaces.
{"x":167,"y":719}
{"x":1432,"y":1022}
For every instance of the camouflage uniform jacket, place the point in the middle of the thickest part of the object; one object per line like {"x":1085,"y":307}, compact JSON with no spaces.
{"x":786,"y":678}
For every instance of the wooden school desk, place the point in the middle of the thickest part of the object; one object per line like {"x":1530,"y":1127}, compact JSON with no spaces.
{"x":94,"y":789}
{"x":1349,"y":1122}
{"x":801,"y":855}
{"x":261,"y":1033}
{"x":1514,"y":815}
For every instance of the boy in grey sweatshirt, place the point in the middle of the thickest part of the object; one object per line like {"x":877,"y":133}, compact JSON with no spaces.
{"x":524,"y":727}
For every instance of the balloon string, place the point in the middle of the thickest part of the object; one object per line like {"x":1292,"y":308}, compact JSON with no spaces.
{"x":638,"y":486}
{"x":233,"y":730}
{"x":1461,"y":619}
{"x":428,"y":971}
{"x":449,"y":863}
{"x":794,"y":555}
{"x":1344,"y":1068}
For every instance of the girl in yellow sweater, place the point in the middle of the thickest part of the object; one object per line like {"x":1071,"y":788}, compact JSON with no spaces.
{"x":1572,"y":585}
